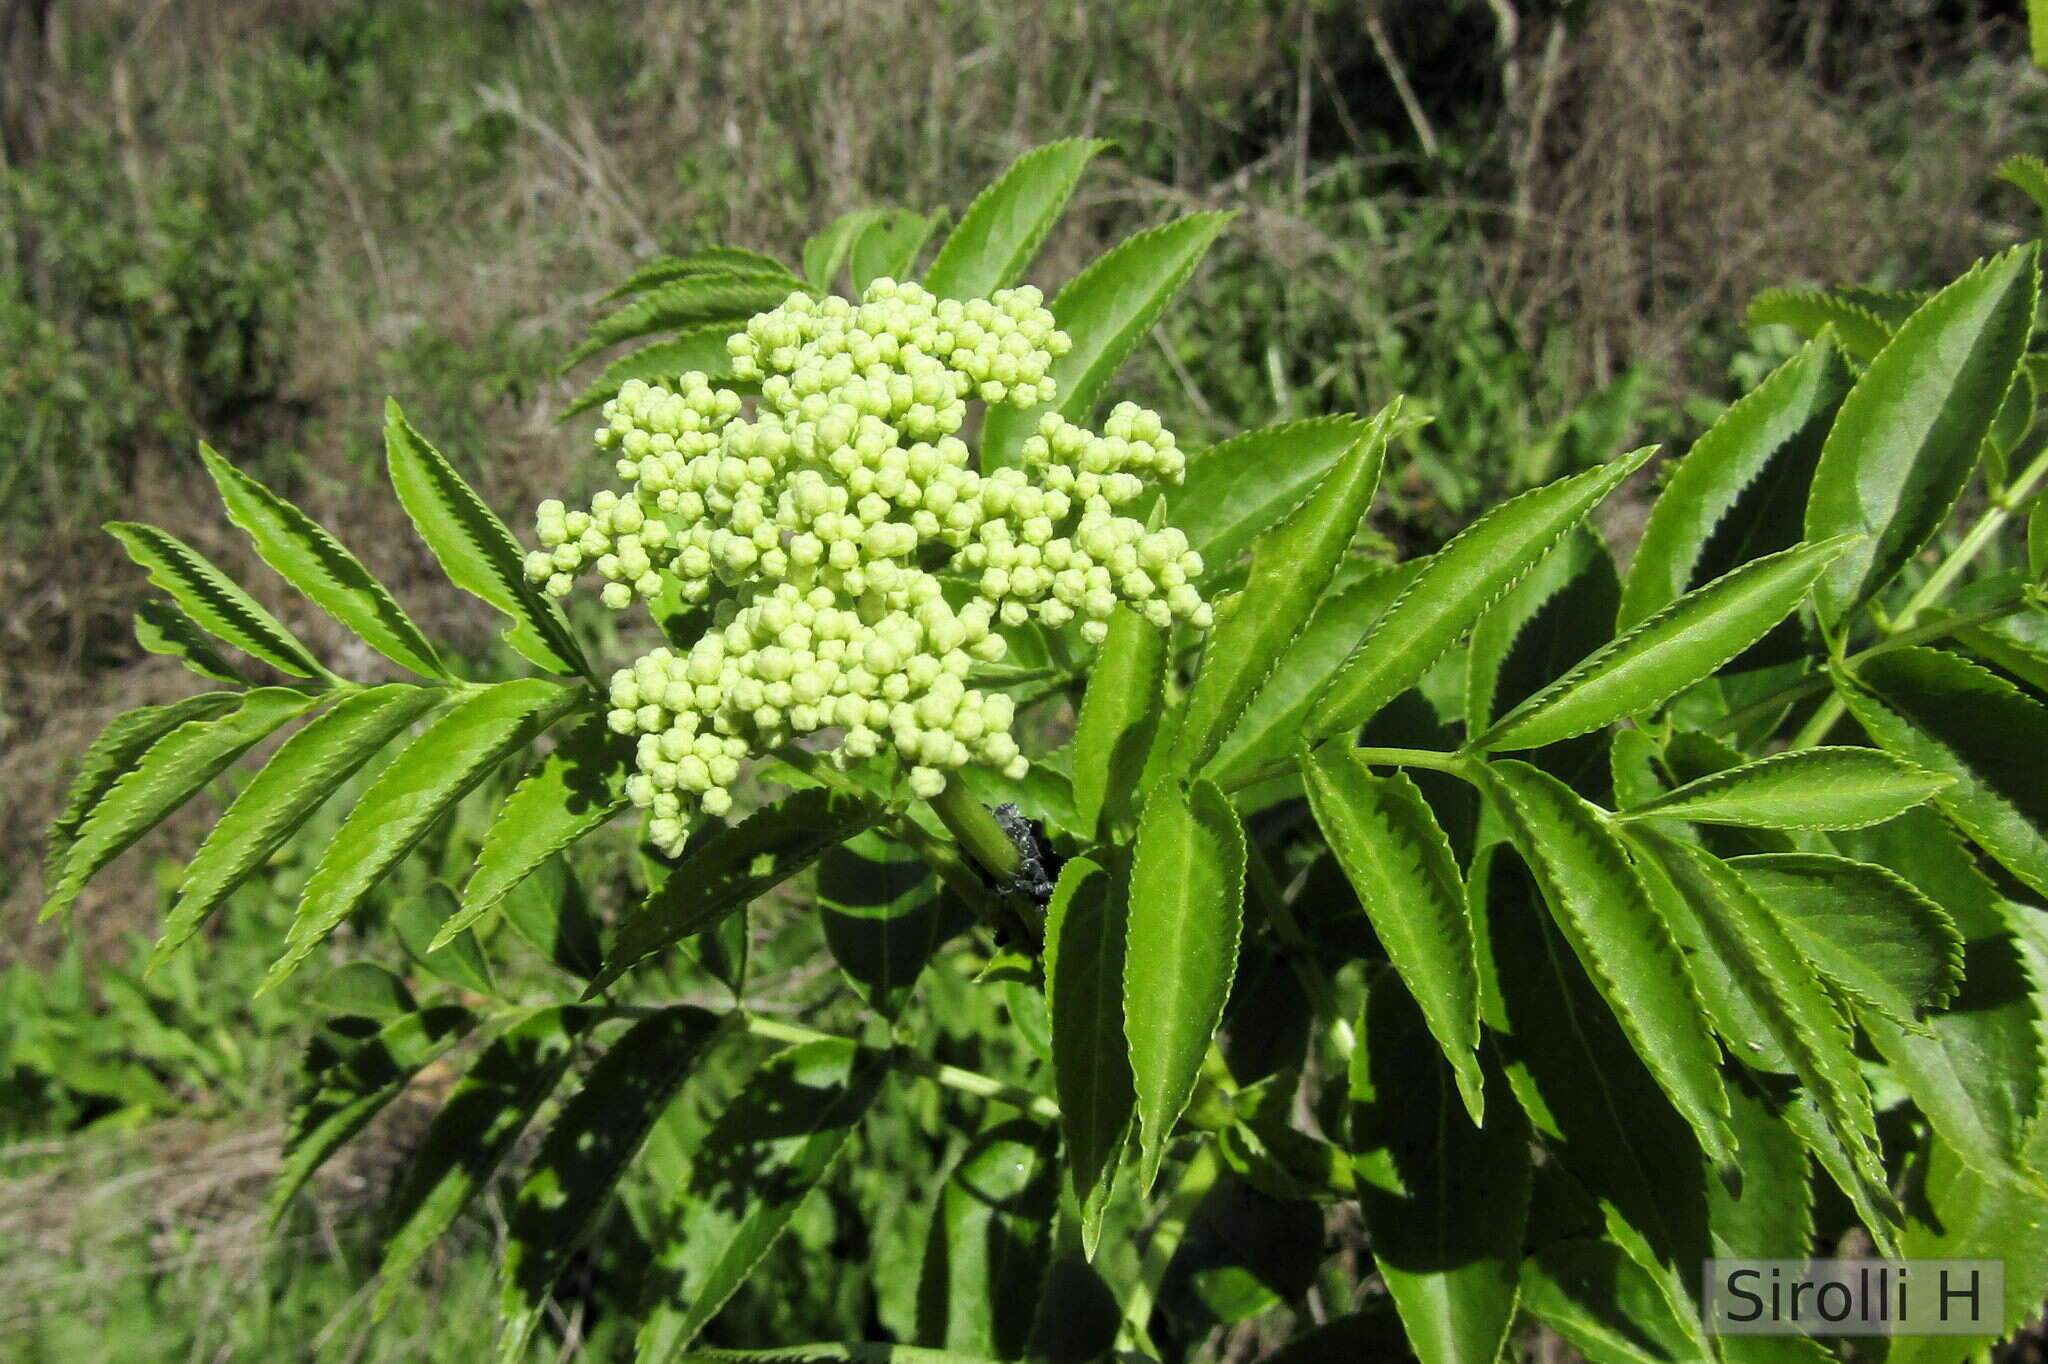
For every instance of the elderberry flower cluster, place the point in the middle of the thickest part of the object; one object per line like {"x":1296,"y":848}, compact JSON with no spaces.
{"x":856,"y":564}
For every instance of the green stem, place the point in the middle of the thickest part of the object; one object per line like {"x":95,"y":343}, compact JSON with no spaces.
{"x":986,"y":841}
{"x":1814,"y":683}
{"x":1988,"y":525}
{"x":952,"y":1077}
{"x":1434,"y":759}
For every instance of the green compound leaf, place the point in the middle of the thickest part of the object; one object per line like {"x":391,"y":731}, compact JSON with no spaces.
{"x":212,"y":600}
{"x":1605,"y":913}
{"x":475,"y":550}
{"x":2030,"y":174}
{"x":1812,"y":788}
{"x":1788,"y":997}
{"x":173,"y":769}
{"x":320,"y":567}
{"x":1861,"y":331}
{"x":1292,"y":567}
{"x":986,"y":1259}
{"x":343,"y":1097}
{"x":1106,"y":309}
{"x":1883,"y":943}
{"x":573,"y":791}
{"x":1596,"y":1108}
{"x":827,"y":251}
{"x":409,"y":796}
{"x":769,"y":1149}
{"x":1974,"y":1068}
{"x":1446,"y":1201}
{"x":1457,"y":584}
{"x":473,"y":1133}
{"x":1119,"y":719}
{"x":113,"y":754}
{"x":1186,"y":917}
{"x":1762,"y":447}
{"x":1952,"y":717}
{"x":1085,"y":931}
{"x":1236,"y":490}
{"x":1272,"y":722}
{"x":693,"y":300}
{"x":163,"y":629}
{"x":585,"y":1153}
{"x":732,"y":869}
{"x":1679,"y":646}
{"x":1398,"y":859}
{"x":297,"y":780}
{"x":709,"y":260}
{"x":1002,"y":230}
{"x":700,"y":348}
{"x":1908,"y":436}
{"x":890,"y":246}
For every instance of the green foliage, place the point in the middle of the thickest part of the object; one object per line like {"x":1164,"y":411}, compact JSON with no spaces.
{"x":1748,"y":922}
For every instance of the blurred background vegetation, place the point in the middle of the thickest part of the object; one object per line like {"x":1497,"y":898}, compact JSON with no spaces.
{"x":249,"y":220}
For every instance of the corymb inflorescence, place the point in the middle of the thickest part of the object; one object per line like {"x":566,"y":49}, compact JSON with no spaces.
{"x":857,"y":563}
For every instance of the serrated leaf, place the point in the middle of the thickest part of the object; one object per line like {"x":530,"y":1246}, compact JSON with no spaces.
{"x":889,"y":248}
{"x":437,"y":769}
{"x":1812,"y":311}
{"x":212,"y":600}
{"x":1398,"y":859}
{"x":1763,"y":447}
{"x":113,"y":754}
{"x":163,"y":629}
{"x":990,"y":1241}
{"x":827,"y":251}
{"x":1180,"y":950}
{"x":321,"y":568}
{"x":1292,"y":566}
{"x":708,"y":260}
{"x":1804,"y":1020}
{"x":1456,"y":584}
{"x":1812,"y":788}
{"x":173,"y":769}
{"x":473,"y":1133}
{"x":474,"y":549}
{"x":1952,"y":717}
{"x":1106,"y":309}
{"x":699,"y":349}
{"x":1272,"y":722}
{"x":1235,"y":490}
{"x":1908,"y":435}
{"x":348,"y":1093}
{"x":1657,"y":659}
{"x":1881,"y":941}
{"x":728,"y":297}
{"x":595,"y":1137}
{"x":883,"y":917}
{"x":572,"y":791}
{"x":1119,"y":719}
{"x":1596,"y":1108}
{"x":1445,"y":1200}
{"x":1975,"y":1068}
{"x":1555,"y":616}
{"x":773,"y":1144}
{"x":1003,"y":228}
{"x":733,"y":868}
{"x":1605,"y":913}
{"x":297,"y":780}
{"x":1085,"y":932}
{"x":2030,"y":175}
